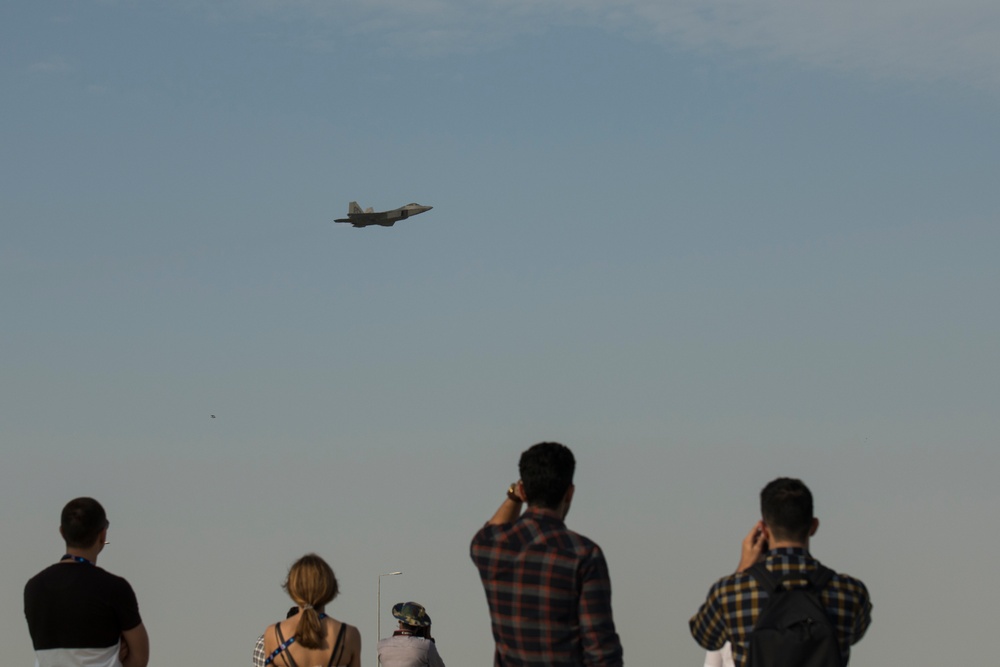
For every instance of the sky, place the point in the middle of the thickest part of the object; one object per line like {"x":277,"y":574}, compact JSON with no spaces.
{"x":703,"y":244}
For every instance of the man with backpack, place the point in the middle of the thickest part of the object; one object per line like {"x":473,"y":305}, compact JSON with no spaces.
{"x":782,"y":608}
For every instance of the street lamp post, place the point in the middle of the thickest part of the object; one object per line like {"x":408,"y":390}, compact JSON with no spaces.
{"x":378,"y":615}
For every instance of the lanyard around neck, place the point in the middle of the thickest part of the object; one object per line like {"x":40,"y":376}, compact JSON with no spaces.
{"x":78,"y":559}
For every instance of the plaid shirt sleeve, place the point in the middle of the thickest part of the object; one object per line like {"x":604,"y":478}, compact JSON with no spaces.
{"x":848,"y":599}
{"x":708,"y":626}
{"x":258,"y":653}
{"x":864,"y":619}
{"x":601,"y":644}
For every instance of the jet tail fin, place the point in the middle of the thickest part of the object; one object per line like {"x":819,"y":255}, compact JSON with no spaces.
{"x":354,"y":208}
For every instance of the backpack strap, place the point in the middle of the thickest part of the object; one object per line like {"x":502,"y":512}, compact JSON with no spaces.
{"x":765,"y":578}
{"x":820,"y":577}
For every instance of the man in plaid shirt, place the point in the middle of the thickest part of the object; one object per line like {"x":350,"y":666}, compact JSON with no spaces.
{"x":548,"y":588}
{"x":781,"y":542}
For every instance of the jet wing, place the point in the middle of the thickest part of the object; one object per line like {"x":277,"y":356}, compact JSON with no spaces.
{"x":366,"y":219}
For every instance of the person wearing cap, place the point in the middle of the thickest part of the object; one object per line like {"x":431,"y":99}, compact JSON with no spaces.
{"x":411,"y":645}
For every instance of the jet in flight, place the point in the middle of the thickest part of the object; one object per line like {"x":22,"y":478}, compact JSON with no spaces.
{"x":363,"y":218}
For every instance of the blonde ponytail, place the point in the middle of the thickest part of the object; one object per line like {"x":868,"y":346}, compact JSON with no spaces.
{"x":309,"y":631}
{"x":311,"y":584}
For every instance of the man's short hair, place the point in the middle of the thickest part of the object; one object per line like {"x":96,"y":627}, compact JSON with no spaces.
{"x":547,"y":473}
{"x":82,"y":521}
{"x":786,"y":505}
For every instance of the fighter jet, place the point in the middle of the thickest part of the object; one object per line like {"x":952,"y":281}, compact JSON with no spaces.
{"x":369,"y":216}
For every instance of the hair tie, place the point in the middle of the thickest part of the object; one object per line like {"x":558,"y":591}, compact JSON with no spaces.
{"x":306,"y":606}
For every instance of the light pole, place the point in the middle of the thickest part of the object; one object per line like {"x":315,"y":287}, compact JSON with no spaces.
{"x":378,"y":615}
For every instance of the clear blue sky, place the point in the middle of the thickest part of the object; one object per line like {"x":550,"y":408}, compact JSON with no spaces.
{"x":701,"y":243}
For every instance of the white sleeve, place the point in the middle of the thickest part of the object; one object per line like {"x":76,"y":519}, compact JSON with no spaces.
{"x":721,"y":658}
{"x":433,"y":657}
{"x":727,"y":655}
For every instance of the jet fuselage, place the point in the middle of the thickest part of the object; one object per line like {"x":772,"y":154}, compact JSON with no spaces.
{"x":360,"y":218}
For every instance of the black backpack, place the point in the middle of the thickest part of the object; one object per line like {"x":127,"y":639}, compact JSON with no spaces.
{"x":793,"y":629}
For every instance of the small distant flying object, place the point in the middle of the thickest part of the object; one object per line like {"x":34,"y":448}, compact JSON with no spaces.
{"x":213,"y":416}
{"x":363,"y":218}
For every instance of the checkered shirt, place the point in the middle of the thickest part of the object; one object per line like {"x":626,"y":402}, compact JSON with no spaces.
{"x":734,"y":603}
{"x":549,"y":594}
{"x":258,"y":653}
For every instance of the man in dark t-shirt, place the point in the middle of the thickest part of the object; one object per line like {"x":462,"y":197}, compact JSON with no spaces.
{"x":77,"y":613}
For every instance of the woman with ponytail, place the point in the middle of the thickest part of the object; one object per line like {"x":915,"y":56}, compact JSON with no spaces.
{"x":310,"y":638}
